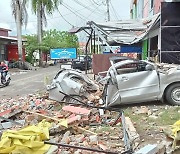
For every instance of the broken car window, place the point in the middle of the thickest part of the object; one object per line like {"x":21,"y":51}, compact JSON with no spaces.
{"x":131,"y":68}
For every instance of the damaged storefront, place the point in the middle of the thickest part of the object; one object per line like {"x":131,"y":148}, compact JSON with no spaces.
{"x":170,"y":30}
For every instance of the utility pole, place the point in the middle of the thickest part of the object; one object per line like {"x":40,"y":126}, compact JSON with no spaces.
{"x":108,"y":12}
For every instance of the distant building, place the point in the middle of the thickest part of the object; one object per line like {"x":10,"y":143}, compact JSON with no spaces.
{"x":145,"y":8}
{"x":8,"y":46}
{"x":82,"y":47}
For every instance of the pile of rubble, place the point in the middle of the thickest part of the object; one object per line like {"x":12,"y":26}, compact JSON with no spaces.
{"x":74,"y":128}
{"x":72,"y":125}
{"x":71,"y":118}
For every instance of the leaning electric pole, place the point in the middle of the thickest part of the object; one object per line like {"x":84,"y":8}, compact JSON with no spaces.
{"x":108,"y":12}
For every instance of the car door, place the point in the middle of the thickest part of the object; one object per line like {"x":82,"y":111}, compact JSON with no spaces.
{"x":136,"y":84}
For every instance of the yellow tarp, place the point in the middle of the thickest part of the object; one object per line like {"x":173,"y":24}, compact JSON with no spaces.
{"x":26,"y":141}
{"x":174,"y":133}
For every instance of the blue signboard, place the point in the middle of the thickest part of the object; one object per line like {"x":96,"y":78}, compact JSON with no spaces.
{"x":131,"y":49}
{"x":63,"y":53}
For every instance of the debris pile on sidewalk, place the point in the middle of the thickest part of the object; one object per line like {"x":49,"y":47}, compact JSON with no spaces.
{"x":72,"y":119}
{"x":154,"y":123}
{"x":72,"y":125}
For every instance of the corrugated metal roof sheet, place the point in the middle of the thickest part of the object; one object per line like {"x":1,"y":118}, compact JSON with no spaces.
{"x":128,"y":31}
{"x":125,"y":31}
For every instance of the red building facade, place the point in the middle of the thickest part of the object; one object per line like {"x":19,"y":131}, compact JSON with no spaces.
{"x":12,"y":54}
{"x":8,"y":46}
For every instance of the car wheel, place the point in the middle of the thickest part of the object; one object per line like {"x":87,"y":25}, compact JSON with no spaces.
{"x":173,"y":94}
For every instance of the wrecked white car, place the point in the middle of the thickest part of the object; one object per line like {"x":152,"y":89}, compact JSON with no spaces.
{"x":135,"y":81}
{"x":71,"y":83}
{"x":126,"y":82}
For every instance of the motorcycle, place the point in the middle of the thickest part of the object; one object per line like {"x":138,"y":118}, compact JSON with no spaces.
{"x":5,"y":81}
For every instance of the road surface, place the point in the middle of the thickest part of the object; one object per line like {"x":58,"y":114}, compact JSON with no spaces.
{"x":28,"y":82}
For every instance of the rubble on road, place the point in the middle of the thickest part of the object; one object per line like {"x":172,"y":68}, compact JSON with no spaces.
{"x":152,"y":124}
{"x":77,"y":120}
{"x":76,"y":126}
{"x":73,"y":125}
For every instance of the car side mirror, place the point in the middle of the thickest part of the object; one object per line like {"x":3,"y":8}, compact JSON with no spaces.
{"x":149,"y":67}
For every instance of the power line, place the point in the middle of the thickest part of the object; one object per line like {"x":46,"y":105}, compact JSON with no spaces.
{"x":116,"y":15}
{"x":99,"y":4}
{"x":93,"y":11}
{"x":49,"y":18}
{"x":65,"y":18}
{"x":76,"y":13}
{"x":87,"y":7}
{"x":93,"y":1}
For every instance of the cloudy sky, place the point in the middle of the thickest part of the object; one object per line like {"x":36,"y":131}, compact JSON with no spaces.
{"x":74,"y":12}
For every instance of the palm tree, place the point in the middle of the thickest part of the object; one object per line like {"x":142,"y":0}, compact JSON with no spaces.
{"x":39,"y":7}
{"x":20,"y":14}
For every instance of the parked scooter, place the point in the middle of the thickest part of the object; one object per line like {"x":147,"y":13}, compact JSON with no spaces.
{"x":5,"y":80}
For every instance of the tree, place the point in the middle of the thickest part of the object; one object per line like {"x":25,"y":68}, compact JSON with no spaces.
{"x":51,"y":39}
{"x":20,"y":14}
{"x":39,"y":8}
{"x":60,"y":39}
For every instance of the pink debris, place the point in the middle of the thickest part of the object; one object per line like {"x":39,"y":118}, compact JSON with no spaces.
{"x":73,"y":119}
{"x":38,"y":102}
{"x":8,"y":111}
{"x":77,"y":110}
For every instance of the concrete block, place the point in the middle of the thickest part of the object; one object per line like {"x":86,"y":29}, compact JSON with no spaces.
{"x":7,"y":125}
{"x":73,"y":119}
{"x":52,"y":150}
{"x":148,"y":149}
{"x":77,"y":110}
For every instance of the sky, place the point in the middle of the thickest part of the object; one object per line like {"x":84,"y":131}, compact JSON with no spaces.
{"x":71,"y":13}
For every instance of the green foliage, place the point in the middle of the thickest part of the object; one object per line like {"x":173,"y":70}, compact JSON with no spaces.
{"x":45,"y":6}
{"x":48,"y":5}
{"x":58,"y":39}
{"x":51,"y":39}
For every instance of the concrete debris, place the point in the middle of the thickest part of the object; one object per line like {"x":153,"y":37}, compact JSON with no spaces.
{"x":148,"y":149}
{"x":78,"y":125}
{"x":7,"y":125}
{"x":77,"y":110}
{"x":153,"y":117}
{"x":69,"y":124}
{"x":141,"y":110}
{"x":134,"y":136}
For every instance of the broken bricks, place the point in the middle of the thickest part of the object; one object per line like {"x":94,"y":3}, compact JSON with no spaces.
{"x":82,"y":123}
{"x":34,"y":109}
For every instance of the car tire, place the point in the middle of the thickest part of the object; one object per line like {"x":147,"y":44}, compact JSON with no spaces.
{"x":172,"y":94}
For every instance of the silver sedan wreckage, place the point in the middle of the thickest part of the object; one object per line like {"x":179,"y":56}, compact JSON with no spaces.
{"x":126,"y":82}
{"x":135,"y":81}
{"x":71,"y":83}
